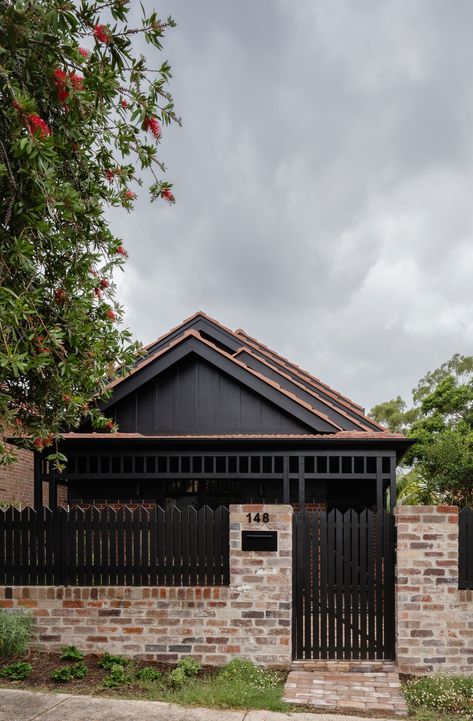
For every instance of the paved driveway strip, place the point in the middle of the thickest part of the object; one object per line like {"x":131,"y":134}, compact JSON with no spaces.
{"x":17,"y":705}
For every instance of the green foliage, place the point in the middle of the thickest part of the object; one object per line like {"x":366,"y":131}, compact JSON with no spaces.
{"x":108,"y":661}
{"x":148,"y":674}
{"x":247,"y":672}
{"x":394,"y":415}
{"x":67,"y":673}
{"x":442,"y":423}
{"x":18,"y":671}
{"x":240,"y":684}
{"x":71,"y":653}
{"x":190,"y":666}
{"x":15,"y":633}
{"x":116,"y":677}
{"x":185,"y":669}
{"x":80,"y":115}
{"x":442,"y":694}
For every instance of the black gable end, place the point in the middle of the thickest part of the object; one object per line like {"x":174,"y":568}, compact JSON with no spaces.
{"x":193,"y":397}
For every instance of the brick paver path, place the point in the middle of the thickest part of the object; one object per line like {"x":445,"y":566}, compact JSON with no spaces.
{"x":343,"y":685}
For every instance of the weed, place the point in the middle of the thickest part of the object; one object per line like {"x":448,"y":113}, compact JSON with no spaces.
{"x":242,"y":670}
{"x":148,"y":674}
{"x":17,"y":671}
{"x":68,"y":673}
{"x":442,"y":694}
{"x":117,"y":676}
{"x":71,"y":653}
{"x":108,"y":661}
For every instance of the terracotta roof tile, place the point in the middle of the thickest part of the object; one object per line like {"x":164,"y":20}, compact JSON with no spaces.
{"x":339,"y":436}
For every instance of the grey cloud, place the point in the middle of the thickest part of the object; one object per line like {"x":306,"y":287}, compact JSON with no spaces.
{"x":324,"y":177}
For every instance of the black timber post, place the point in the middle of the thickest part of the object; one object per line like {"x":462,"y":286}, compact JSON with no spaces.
{"x":301,"y":484}
{"x":38,"y":481}
{"x":392,"y":483}
{"x":379,"y":484}
{"x":52,"y":488}
{"x":286,"y":489}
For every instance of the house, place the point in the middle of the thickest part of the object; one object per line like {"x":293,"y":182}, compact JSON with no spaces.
{"x":212,"y":416}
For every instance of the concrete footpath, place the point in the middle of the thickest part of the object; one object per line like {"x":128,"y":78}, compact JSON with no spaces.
{"x":16,"y":705}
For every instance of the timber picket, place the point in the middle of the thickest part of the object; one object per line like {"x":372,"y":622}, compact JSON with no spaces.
{"x":101,"y":547}
{"x":343,"y":585}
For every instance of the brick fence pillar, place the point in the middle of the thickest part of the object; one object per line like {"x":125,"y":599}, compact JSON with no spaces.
{"x":261,"y":585}
{"x":434,"y":619}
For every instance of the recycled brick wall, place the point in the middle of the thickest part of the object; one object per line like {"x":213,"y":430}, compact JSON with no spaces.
{"x":434,"y":618}
{"x":249,"y":618}
{"x":16,"y":482}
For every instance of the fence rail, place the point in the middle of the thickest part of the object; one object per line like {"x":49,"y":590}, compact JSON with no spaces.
{"x":465,"y":549}
{"x":108,"y":547}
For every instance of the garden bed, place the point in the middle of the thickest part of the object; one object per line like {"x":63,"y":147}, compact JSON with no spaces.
{"x":240,"y":684}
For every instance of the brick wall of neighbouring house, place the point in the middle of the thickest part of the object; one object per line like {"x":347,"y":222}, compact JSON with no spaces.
{"x":434,"y":618}
{"x":250,"y":618}
{"x":16,"y":482}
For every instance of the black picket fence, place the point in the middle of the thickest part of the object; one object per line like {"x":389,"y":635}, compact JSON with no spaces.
{"x":108,"y":547}
{"x":465,"y":549}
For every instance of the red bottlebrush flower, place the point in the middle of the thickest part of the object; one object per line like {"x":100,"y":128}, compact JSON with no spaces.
{"x":85,"y":53}
{"x":153,"y":125}
{"x":130,"y":195}
{"x":167,"y":195}
{"x":77,"y":81}
{"x":101,"y":34}
{"x":59,"y":295}
{"x":38,"y":443}
{"x":109,"y":174}
{"x":109,"y":424}
{"x":48,"y":441}
{"x":124,"y":103}
{"x":36,"y":126}
{"x":111,"y":314}
{"x":66,"y":398}
{"x":60,"y":80}
{"x":121,"y":250}
{"x":104,"y":283}
{"x":98,"y":292}
{"x":40,"y":339}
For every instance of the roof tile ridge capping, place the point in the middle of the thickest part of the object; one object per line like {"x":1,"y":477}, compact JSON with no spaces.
{"x":153,"y":357}
{"x":246,"y":349}
{"x":297,"y":369}
{"x":200,"y":313}
{"x":195,"y":334}
{"x":339,"y":436}
{"x":268,"y":381}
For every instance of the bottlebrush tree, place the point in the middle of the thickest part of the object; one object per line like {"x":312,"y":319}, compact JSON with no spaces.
{"x":81,"y":115}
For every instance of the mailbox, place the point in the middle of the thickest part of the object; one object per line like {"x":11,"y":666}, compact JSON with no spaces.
{"x":259,"y":540}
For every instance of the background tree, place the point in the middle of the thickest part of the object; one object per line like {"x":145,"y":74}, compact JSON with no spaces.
{"x":441,"y":420}
{"x":81,"y":114}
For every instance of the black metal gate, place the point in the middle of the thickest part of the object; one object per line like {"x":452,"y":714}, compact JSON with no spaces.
{"x":343,"y":602}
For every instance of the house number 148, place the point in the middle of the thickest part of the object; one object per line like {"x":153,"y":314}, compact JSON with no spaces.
{"x":258,"y":518}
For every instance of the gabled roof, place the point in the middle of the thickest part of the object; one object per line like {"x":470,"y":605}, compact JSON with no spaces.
{"x":319,"y":406}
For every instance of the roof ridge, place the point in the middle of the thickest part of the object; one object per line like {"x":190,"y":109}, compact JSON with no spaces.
{"x":297,"y":369}
{"x":342,"y":412}
{"x":191,"y":332}
{"x":199,"y":313}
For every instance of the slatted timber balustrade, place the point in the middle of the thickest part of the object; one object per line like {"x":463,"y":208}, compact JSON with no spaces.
{"x":465,"y":549}
{"x":108,"y":547}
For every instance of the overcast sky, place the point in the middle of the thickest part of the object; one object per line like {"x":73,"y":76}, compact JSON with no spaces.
{"x":324,"y":184}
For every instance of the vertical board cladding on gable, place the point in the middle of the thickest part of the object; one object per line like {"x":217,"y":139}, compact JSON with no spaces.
{"x":184,"y":400}
{"x":207,"y":397}
{"x":194,"y":397}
